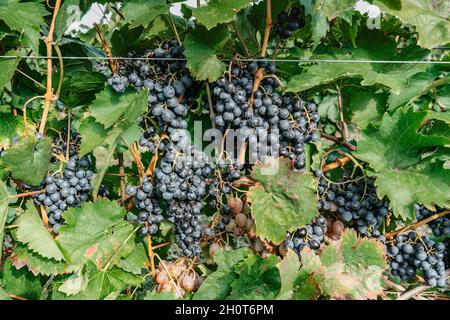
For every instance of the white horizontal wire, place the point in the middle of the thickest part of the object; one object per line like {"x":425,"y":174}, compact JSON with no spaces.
{"x":237,"y":59}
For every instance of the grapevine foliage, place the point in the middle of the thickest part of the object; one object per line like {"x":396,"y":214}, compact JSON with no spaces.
{"x":235,"y":150}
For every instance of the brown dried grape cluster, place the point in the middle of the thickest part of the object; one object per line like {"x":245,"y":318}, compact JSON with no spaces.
{"x":177,"y":277}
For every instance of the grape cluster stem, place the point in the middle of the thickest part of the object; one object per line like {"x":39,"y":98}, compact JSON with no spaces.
{"x":338,"y":140}
{"x":417,"y":224}
{"x":122,"y":177}
{"x":26,"y":194}
{"x":151,"y":254}
{"x":259,"y":72}
{"x":111,"y":61}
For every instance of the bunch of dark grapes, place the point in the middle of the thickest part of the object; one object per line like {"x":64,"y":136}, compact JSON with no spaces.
{"x":101,"y":67}
{"x":275,"y":124}
{"x":312,"y":235}
{"x":229,"y":171}
{"x":60,"y":143}
{"x":181,"y":182}
{"x":164,"y":74}
{"x":297,"y":126}
{"x":103,"y":191}
{"x":288,"y":22}
{"x":231,"y":95}
{"x":409,"y":253}
{"x":439,"y":226}
{"x":356,"y":201}
{"x":235,"y":218}
{"x":150,"y":214}
{"x":65,"y":191}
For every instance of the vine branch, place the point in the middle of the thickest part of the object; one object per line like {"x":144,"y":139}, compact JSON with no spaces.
{"x":26,"y":194}
{"x":151,"y":254}
{"x":111,"y":61}
{"x":417,"y":224}
{"x":49,"y":45}
{"x":338,"y":140}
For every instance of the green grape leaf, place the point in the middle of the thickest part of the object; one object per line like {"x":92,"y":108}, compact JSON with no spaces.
{"x":319,"y":26}
{"x":93,"y":134}
{"x":68,"y":13}
{"x":31,"y":231}
{"x":74,"y":284}
{"x":218,"y":11}
{"x":7,"y":68}
{"x":288,"y":268}
{"x":228,"y":259}
{"x":375,"y":46}
{"x":429,"y":17}
{"x":306,"y":286}
{"x":428,"y":184}
{"x":394,"y":150}
{"x":104,"y":154}
{"x":259,"y":279}
{"x":396,"y":144}
{"x":218,"y":284}
{"x":143,"y":12}
{"x":441,"y":116}
{"x":391,"y":4}
{"x":366,"y":106}
{"x":415,"y":87}
{"x":333,"y":8}
{"x":360,"y":253}
{"x":21,"y":282}
{"x":201,"y":59}
{"x":443,"y":94}
{"x":282,"y":200}
{"x":28,"y":160}
{"x":351,"y":268}
{"x":11,"y":127}
{"x":135,"y":261}
{"x":96,"y":232}
{"x":99,"y":284}
{"x":80,"y":87}
{"x":4,"y":295}
{"x":109,"y":107}
{"x":35,"y":263}
{"x":26,"y":18}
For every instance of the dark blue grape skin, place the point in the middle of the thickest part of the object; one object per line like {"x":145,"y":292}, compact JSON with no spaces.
{"x":169,"y":102}
{"x":67,"y":190}
{"x":288,"y":22}
{"x":355,"y":199}
{"x":297,"y":126}
{"x":164,"y":92}
{"x":410,"y":253}
{"x":440,"y":226}
{"x":312,"y":236}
